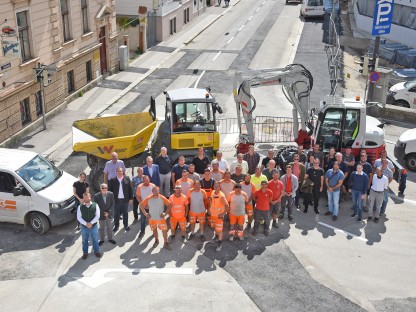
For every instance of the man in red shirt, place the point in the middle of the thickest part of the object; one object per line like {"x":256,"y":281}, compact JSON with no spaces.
{"x":263,"y":198}
{"x":276,"y":186}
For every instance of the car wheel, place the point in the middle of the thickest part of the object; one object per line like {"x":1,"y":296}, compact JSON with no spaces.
{"x":401,"y":103}
{"x":411,"y":162}
{"x":38,"y":222}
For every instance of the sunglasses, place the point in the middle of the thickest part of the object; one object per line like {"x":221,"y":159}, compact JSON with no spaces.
{"x":103,"y":188}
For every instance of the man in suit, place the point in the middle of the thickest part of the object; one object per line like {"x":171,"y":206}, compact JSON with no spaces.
{"x":152,"y":171}
{"x":123,"y":196}
{"x":105,"y":201}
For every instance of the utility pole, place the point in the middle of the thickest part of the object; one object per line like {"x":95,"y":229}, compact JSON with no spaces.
{"x":40,"y":72}
{"x":371,"y":89}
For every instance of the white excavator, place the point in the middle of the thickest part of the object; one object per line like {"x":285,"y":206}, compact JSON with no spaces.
{"x":337,"y":122}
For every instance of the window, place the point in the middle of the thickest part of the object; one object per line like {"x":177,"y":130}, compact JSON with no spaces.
{"x":24,"y":35}
{"x":84,"y":11}
{"x":38,"y":100}
{"x":173,"y":26}
{"x":186,"y":16}
{"x":329,"y":134}
{"x":352,"y":126}
{"x":193,"y":117}
{"x":25,"y":111}
{"x":70,"y":81}
{"x":88,"y":68}
{"x":315,"y":2}
{"x":7,"y":182}
{"x":65,"y":20}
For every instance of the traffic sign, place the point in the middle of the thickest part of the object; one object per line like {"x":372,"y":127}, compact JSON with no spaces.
{"x":374,"y":77}
{"x":383,"y":15}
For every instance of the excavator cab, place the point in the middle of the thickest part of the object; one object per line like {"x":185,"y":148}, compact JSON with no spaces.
{"x":339,"y":126}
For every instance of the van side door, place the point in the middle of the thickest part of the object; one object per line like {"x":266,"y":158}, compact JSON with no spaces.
{"x":12,"y":208}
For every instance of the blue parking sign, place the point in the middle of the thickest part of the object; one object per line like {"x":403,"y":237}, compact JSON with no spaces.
{"x":383,"y":15}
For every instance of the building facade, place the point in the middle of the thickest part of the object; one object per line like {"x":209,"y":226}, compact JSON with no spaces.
{"x":165,"y":18}
{"x":74,"y":40}
{"x":403,"y":27}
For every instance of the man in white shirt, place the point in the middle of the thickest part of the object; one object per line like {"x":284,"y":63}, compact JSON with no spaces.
{"x":223,"y":164}
{"x":88,"y":214}
{"x":380,"y":183}
{"x":240,"y":161}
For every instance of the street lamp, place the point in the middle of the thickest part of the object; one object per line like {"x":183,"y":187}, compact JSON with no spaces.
{"x":42,"y":76}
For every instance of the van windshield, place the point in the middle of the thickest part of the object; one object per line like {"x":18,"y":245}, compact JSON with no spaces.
{"x":39,"y":173}
{"x":315,"y":2}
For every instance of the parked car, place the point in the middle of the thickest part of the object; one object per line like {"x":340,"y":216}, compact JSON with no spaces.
{"x":403,"y":94}
{"x":405,"y":149}
{"x":312,"y":8}
{"x":34,"y":191}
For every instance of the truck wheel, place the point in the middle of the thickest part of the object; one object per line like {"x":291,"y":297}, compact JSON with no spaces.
{"x":411,"y":162}
{"x":92,"y":160}
{"x":38,"y":222}
{"x":96,"y":179}
{"x":401,"y":103}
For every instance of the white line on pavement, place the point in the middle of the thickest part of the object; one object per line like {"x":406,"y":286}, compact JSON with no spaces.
{"x":295,"y":45}
{"x":342,"y":231}
{"x":257,"y":9}
{"x":215,"y":57}
{"x":263,"y":2}
{"x":250,"y":17}
{"x":231,"y":39}
{"x":241,"y":28}
{"x":98,"y":278}
{"x":199,"y":78}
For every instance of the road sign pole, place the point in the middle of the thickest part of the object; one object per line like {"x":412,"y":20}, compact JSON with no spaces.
{"x":371,"y":88}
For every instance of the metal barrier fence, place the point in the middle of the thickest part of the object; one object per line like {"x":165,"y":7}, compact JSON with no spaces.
{"x":266,"y":129}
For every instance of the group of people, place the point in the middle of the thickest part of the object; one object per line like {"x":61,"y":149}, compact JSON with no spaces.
{"x":208,"y":193}
{"x":226,"y":3}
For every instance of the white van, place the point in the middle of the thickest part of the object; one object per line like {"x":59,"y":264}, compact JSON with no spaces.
{"x":405,"y":149}
{"x":312,"y":8}
{"x":34,"y":191}
{"x":403,"y":94}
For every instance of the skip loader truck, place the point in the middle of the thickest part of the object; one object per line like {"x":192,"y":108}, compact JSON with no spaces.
{"x":190,"y":123}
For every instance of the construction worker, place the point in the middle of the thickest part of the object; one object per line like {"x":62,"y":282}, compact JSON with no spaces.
{"x":178,"y":212}
{"x":207,"y":184}
{"x":185,"y":182}
{"x":226,"y":184}
{"x":237,"y":201}
{"x":257,"y":177}
{"x":197,"y":199}
{"x":155,"y":204}
{"x":143,"y":190}
{"x":263,"y":198}
{"x":249,"y":188}
{"x":217,"y":211}
{"x":216,"y":173}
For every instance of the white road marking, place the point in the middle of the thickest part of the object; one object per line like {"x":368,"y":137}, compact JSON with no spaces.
{"x":241,"y":28}
{"x":257,"y":10}
{"x":98,"y":278}
{"x":215,"y":57}
{"x":295,"y":45}
{"x":342,"y":231}
{"x":250,"y":17}
{"x":199,"y":78}
{"x":230,"y":40}
{"x":263,"y":2}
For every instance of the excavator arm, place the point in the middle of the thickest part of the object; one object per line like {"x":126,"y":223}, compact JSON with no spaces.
{"x":296,"y":82}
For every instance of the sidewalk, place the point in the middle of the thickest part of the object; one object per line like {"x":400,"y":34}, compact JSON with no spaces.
{"x":116,"y":92}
